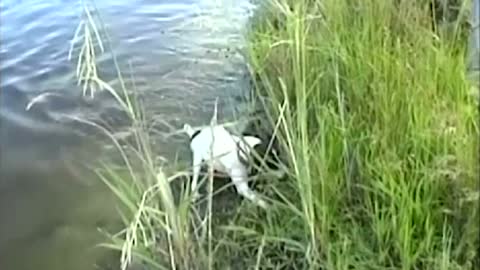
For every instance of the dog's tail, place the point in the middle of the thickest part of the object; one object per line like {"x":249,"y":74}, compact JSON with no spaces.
{"x":189,"y":130}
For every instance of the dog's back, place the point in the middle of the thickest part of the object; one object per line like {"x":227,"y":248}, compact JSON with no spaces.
{"x":216,"y":142}
{"x":225,"y":149}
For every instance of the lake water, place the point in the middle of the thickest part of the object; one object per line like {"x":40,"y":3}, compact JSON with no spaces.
{"x":184,"y":54}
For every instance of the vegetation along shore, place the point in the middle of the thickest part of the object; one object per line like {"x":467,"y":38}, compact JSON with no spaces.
{"x":376,"y":125}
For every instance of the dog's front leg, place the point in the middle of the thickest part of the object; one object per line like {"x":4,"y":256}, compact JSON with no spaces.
{"x":239,"y":179}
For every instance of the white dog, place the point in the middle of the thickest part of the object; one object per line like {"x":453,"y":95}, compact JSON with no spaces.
{"x":228,"y":151}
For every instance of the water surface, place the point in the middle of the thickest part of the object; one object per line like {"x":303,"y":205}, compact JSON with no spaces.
{"x":183,"y":54}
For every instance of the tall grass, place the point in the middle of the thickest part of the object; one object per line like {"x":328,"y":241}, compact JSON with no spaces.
{"x":372,"y":111}
{"x":160,"y":228}
{"x":379,"y":129}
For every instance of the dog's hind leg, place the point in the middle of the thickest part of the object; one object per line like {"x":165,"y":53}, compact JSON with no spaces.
{"x":239,"y":178}
{"x":197,"y":164}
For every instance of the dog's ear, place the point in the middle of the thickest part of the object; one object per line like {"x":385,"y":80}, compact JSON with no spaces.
{"x":252,"y":141}
{"x":246,"y":145}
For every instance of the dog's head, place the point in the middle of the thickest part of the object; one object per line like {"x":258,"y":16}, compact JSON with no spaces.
{"x":246,"y":144}
{"x":263,"y":153}
{"x":249,"y":142}
{"x":259,"y":157}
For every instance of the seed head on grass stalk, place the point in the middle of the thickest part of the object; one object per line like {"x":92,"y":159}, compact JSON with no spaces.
{"x":86,"y":71}
{"x":88,"y":36}
{"x":151,"y":216}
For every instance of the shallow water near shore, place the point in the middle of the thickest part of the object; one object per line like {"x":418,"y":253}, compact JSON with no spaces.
{"x":183,"y":57}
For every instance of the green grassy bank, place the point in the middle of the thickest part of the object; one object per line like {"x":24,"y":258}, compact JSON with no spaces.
{"x":377,"y":125}
{"x":380,"y":130}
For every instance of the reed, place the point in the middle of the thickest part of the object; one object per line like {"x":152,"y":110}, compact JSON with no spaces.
{"x":160,"y":228}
